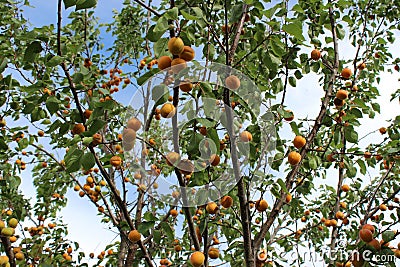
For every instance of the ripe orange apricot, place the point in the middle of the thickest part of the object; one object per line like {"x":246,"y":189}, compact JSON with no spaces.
{"x":97,"y":139}
{"x":19,"y":256}
{"x":365,"y":235}
{"x":78,"y":128}
{"x":164,"y":62}
{"x":226,"y":202}
{"x":288,"y":198}
{"x":167,"y":110}
{"x":246,"y":136}
{"x":382,"y":207}
{"x":361,"y":66}
{"x":315,"y":54}
{"x":175,"y":45}
{"x":212,"y":208}
{"x":261,"y":205}
{"x":369,"y":227}
{"x":299,"y":141}
{"x":213,"y":253}
{"x":173,"y":213}
{"x":87,"y":113}
{"x":177,"y":65}
{"x":346,"y":73}
{"x":215,"y":159}
{"x":367,"y":155}
{"x":342,"y":94}
{"x":197,"y":259}
{"x":187,"y":53}
{"x":232,"y":82}
{"x":115,"y":161}
{"x":134,"y":124}
{"x":339,"y":215}
{"x":186,"y":86}
{"x":345,"y":188}
{"x":382,"y":130}
{"x":294,"y":158}
{"x":134,"y":236}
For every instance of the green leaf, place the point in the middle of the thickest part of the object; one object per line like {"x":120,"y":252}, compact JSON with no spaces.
{"x":52,"y":104}
{"x":295,"y":29}
{"x":3,"y":144}
{"x":144,"y":227}
{"x":160,"y":94}
{"x":3,"y":64}
{"x":77,"y":77}
{"x":282,"y":185}
{"x":69,"y":3}
{"x":73,"y":160}
{"x":83,"y":4}
{"x":96,"y":125}
{"x":55,"y":61}
{"x":32,"y":51}
{"x":171,"y":13}
{"x":350,"y":135}
{"x":312,"y":162}
{"x":167,"y":230}
{"x":160,"y":47}
{"x":292,"y":81}
{"x":388,"y":236}
{"x":153,"y":35}
{"x":142,"y":79}
{"x":162,"y":24}
{"x":188,"y":16}
{"x":88,"y":161}
{"x":295,"y":128}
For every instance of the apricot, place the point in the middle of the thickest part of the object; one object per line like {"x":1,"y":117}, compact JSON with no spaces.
{"x":338,"y":102}
{"x":134,"y":236}
{"x":78,"y":128}
{"x":365,"y":235}
{"x":342,"y":94}
{"x":134,"y":124}
{"x":186,"y":167}
{"x":12,"y":223}
{"x":291,"y":116}
{"x":361,"y":66}
{"x":213,"y":253}
{"x":164,"y":62}
{"x":294,"y":158}
{"x":116,"y":161}
{"x":345,"y":188}
{"x":187,"y":53}
{"x":246,"y":136}
{"x":7,"y":231}
{"x":4,"y":260}
{"x":232,"y":82}
{"x":197,"y":259}
{"x":346,"y":73}
{"x":382,"y":130}
{"x":212,"y":208}
{"x":226,"y":202}
{"x":167,"y":110}
{"x":315,"y":54}
{"x":375,"y":244}
{"x":215,"y":159}
{"x":339,"y":215}
{"x":382,"y":207}
{"x":330,"y":157}
{"x":186,"y":86}
{"x":87,"y":113}
{"x":41,"y":133}
{"x":369,"y":227}
{"x":175,"y":45}
{"x":128,"y":135}
{"x":261,"y":205}
{"x":288,"y":198}
{"x":2,"y":224}
{"x":299,"y":141}
{"x":367,"y":155}
{"x":178,"y":65}
{"x":173,"y":213}
{"x":97,"y":139}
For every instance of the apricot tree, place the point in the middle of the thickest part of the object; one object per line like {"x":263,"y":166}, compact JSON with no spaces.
{"x":198,"y":169}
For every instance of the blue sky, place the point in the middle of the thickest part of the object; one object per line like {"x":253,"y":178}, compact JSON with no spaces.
{"x":84,"y":225}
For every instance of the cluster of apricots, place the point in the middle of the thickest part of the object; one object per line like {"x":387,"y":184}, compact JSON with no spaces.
{"x":90,"y":188}
{"x":181,"y":54}
{"x":115,"y":80}
{"x":150,"y":64}
{"x":128,"y":139}
{"x":8,"y":232}
{"x":294,"y":157}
